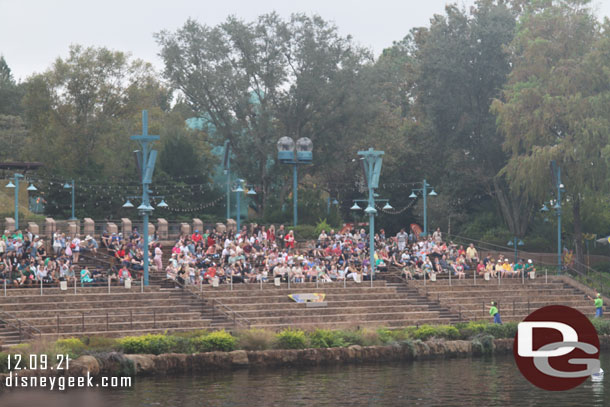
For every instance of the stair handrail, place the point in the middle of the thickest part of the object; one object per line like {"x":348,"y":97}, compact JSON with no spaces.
{"x":228,"y":312}
{"x":18,"y":325}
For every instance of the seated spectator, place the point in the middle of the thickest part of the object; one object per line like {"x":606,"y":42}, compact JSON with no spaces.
{"x":91,"y":244}
{"x":85,"y":276}
{"x":472,"y":255}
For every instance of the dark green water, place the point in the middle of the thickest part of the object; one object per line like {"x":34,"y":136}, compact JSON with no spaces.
{"x":457,"y":382}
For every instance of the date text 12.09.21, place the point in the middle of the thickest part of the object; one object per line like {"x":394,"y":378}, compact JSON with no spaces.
{"x":38,"y":362}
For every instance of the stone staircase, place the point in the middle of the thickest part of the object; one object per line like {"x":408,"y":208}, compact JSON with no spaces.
{"x":352,"y":305}
{"x":515,"y":299}
{"x":94,"y":311}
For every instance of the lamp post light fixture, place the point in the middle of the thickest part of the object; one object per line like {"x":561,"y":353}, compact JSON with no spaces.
{"x":372,"y":161}
{"x":146,"y":158}
{"x":516,"y":242}
{"x":15,"y":184}
{"x":330,"y":201}
{"x":71,"y":186}
{"x":424,"y":191}
{"x":295,"y":154}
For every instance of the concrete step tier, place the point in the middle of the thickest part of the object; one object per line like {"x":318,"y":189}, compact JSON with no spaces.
{"x":93,"y":326}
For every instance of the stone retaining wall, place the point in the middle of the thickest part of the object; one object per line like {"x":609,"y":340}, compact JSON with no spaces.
{"x":115,"y":364}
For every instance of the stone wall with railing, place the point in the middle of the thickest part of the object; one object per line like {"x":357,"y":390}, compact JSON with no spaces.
{"x":164,"y":229}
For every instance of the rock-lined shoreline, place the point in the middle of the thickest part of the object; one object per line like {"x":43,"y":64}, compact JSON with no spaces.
{"x":116,"y":364}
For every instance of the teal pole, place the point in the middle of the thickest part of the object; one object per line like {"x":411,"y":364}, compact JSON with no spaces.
{"x":516,"y":254}
{"x":228,"y":191}
{"x":425,"y":209}
{"x":558,"y":220}
{"x":238,"y":216}
{"x":17,"y":176}
{"x":294,"y":194}
{"x":372,"y":232}
{"x":147,"y":159}
{"x":73,"y":217}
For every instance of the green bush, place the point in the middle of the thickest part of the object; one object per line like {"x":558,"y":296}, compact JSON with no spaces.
{"x":385,"y":335}
{"x":4,"y":362}
{"x":468,"y":330}
{"x":602,"y":326}
{"x":181,"y":344}
{"x":351,"y":337}
{"x":291,"y":339}
{"x":154,"y":344}
{"x":70,"y":346}
{"x":507,"y":330}
{"x":325,"y":338}
{"x":322,"y":225}
{"x":426,"y":332}
{"x":215,"y":341}
{"x":256,"y":339}
{"x":100,"y":343}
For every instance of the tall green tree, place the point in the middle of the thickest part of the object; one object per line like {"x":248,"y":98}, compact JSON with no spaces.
{"x":83,"y":109}
{"x":446,"y":76}
{"x":555,"y":105}
{"x":256,"y":82}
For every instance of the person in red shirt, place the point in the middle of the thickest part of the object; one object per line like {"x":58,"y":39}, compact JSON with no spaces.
{"x":210,"y":273}
{"x":289,"y":240}
{"x":211,"y":241}
{"x":196,"y":237}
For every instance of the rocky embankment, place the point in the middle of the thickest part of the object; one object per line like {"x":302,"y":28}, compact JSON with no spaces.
{"x":116,"y":364}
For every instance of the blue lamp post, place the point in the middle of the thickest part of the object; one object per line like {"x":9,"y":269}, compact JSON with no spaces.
{"x":424,"y":191}
{"x":516,"y":242}
{"x":15,"y":185}
{"x":288,"y":154}
{"x":372,"y":160}
{"x":238,"y":191}
{"x":227,"y":170}
{"x":146,"y":158}
{"x":556,"y":174}
{"x":71,"y":186}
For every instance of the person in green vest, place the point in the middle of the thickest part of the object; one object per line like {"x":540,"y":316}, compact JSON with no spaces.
{"x":599,"y":305}
{"x":493,"y":311}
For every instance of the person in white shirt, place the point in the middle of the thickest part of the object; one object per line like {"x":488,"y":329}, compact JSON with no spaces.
{"x":75,"y":249}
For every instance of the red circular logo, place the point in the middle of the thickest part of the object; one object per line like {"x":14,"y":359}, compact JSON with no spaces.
{"x":556,"y":348}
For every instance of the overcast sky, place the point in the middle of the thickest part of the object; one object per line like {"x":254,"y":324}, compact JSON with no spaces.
{"x":34,"y":32}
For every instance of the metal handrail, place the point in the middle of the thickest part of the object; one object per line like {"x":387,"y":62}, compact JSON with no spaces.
{"x":19,"y":324}
{"x":234,"y":315}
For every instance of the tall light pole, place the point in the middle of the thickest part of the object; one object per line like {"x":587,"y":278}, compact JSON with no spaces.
{"x":372,"y":160}
{"x":15,"y":185}
{"x":288,"y":154}
{"x":556,"y":175}
{"x":227,"y":170}
{"x":424,"y":191}
{"x":146,"y":158}
{"x":71,"y":186}
{"x":238,"y":191}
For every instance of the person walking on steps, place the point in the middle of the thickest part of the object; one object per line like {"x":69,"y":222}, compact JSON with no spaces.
{"x":599,"y":305}
{"x":493,"y":311}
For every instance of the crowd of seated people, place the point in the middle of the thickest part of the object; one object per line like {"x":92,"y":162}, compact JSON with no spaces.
{"x":259,"y":253}
{"x":24,"y":260}
{"x":254,"y":254}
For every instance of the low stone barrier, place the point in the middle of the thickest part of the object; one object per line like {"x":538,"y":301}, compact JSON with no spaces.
{"x":117,"y":364}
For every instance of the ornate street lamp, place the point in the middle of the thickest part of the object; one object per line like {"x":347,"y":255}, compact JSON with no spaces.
{"x":295,"y":154}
